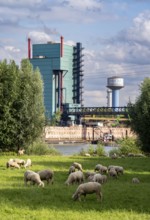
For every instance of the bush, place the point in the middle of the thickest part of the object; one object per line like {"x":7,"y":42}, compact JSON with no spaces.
{"x":129,"y":145}
{"x":100,"y":151}
{"x":40,"y":148}
{"x":114,"y":151}
{"x":91,"y":150}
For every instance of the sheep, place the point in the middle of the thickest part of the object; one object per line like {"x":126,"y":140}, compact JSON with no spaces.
{"x":28,"y":163}
{"x":47,"y":175}
{"x":118,"y":169}
{"x":98,"y":167}
{"x":88,"y":174}
{"x":21,"y":152}
{"x":135,"y":180}
{"x":75,"y":177}
{"x":72,"y":169}
{"x":103,"y":169}
{"x":88,"y":188}
{"x":77,"y":166}
{"x":21,"y":162}
{"x":112,"y":172}
{"x":11,"y":163}
{"x":114,"y":156}
{"x":33,"y":177}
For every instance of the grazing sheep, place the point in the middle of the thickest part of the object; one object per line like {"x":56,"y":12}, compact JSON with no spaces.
{"x":11,"y":163}
{"x":88,"y":188}
{"x":72,"y":169}
{"x":33,"y":178}
{"x":118,"y":169}
{"x":47,"y":175}
{"x":131,"y":154}
{"x":21,"y":152}
{"x":19,"y":161}
{"x":135,"y":180}
{"x":98,"y":167}
{"x":77,"y":166}
{"x":28,"y":163}
{"x":103,"y":169}
{"x":112,"y":172}
{"x":89,"y":173}
{"x":100,"y":178}
{"x":75,"y":177}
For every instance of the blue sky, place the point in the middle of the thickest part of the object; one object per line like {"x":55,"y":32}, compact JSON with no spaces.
{"x":115,"y":35}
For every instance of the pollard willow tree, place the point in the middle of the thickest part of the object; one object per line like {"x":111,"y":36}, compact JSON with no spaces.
{"x":21,"y":105}
{"x":140,"y":115}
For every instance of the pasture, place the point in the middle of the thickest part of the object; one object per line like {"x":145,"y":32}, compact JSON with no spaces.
{"x":121,"y":198}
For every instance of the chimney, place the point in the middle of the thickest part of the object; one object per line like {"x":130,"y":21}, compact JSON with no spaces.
{"x":61,"y":46}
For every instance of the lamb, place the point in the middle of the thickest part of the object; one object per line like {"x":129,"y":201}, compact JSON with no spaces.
{"x":77,"y":166}
{"x":75,"y":177}
{"x":47,"y":175}
{"x":72,"y":169}
{"x":11,"y":163}
{"x":88,"y":188}
{"x":100,"y":178}
{"x":28,"y":163}
{"x":118,"y":169}
{"x":88,"y":174}
{"x":135,"y":180}
{"x":33,"y":177}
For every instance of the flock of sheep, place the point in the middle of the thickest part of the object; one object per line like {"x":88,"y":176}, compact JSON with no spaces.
{"x":88,"y":182}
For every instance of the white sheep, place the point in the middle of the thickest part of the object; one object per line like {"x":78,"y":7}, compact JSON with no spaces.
{"x":112,"y":172}
{"x":75,"y":177}
{"x":28,"y":163}
{"x":119,"y":169}
{"x":21,"y":152}
{"x":21,"y":162}
{"x":33,"y":178}
{"x":11,"y":163}
{"x":98,"y":167}
{"x":135,"y":180}
{"x":88,"y":174}
{"x":77,"y":166}
{"x":47,"y":175}
{"x":103,"y":169}
{"x":72,"y":169}
{"x":88,"y":188}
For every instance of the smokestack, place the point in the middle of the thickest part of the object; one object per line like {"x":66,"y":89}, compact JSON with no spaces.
{"x":61,"y":46}
{"x":29,"y":48}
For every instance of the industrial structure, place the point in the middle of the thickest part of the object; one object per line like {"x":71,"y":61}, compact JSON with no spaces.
{"x":114,"y":83}
{"x":61,"y":66}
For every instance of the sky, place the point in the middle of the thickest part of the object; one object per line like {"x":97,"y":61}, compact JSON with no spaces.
{"x":115,"y":35}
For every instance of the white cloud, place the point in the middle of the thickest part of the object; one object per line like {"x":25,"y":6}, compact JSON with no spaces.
{"x":39,"y":37}
{"x":12,"y":49}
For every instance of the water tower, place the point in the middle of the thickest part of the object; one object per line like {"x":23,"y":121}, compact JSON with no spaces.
{"x":115,"y":83}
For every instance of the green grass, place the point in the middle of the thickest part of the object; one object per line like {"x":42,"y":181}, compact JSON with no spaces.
{"x":121,"y":199}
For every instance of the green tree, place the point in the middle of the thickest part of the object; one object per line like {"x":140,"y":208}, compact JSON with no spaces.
{"x":24,"y":113}
{"x":140,"y":115}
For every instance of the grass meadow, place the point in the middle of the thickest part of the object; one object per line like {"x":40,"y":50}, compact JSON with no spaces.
{"x":121,"y":198}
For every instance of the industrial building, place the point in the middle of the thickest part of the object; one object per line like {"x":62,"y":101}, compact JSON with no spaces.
{"x":61,"y":67}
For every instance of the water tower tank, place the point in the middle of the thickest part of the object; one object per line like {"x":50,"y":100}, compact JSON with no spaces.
{"x":115,"y":83}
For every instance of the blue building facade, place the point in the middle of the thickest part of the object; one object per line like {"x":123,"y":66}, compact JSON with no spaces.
{"x":61,"y":67}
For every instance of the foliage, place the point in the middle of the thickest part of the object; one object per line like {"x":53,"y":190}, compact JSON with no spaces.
{"x":129,"y":145}
{"x":21,"y":105}
{"x":140,"y":115}
{"x":41,"y":148}
{"x":115,"y":151}
{"x":100,"y":151}
{"x":121,"y":199}
{"x":56,"y":118}
{"x":91,"y":150}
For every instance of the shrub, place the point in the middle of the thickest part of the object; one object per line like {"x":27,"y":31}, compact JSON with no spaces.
{"x":91,"y":150}
{"x":114,"y":151}
{"x":100,"y":151}
{"x":129,"y":145}
{"x":41,"y":148}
